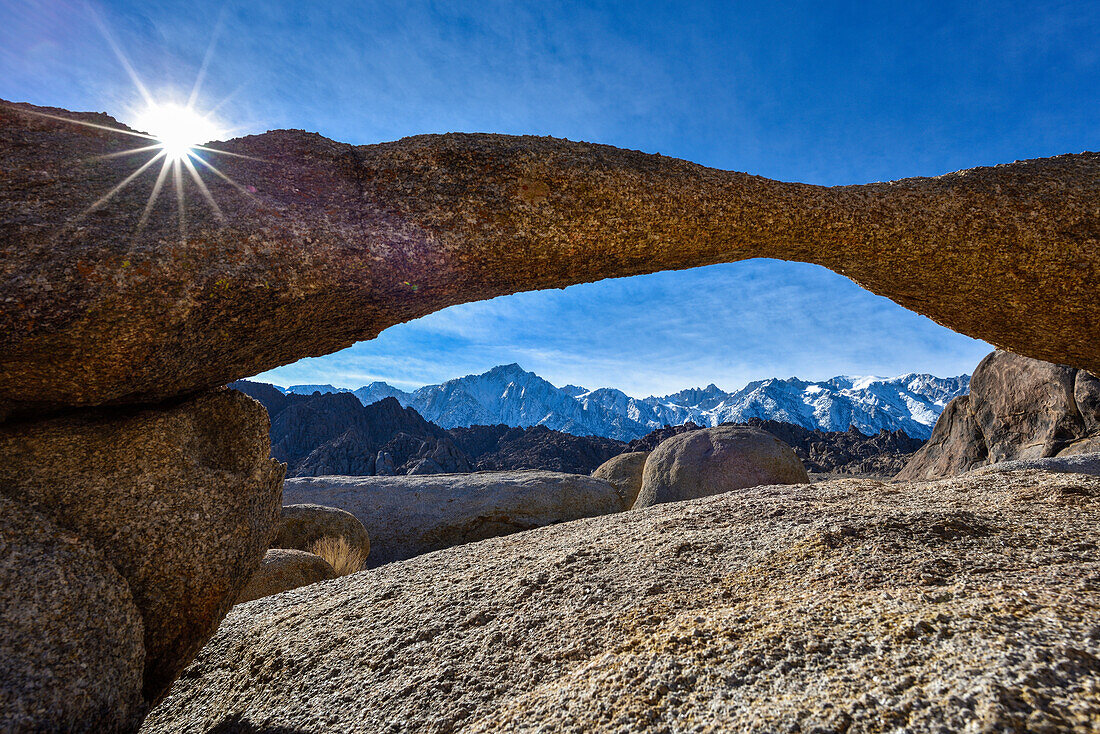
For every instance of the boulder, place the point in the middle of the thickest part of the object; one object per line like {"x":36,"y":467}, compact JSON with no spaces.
{"x":332,"y":243}
{"x":409,"y":515}
{"x":71,"y":654}
{"x":181,"y":500}
{"x":1025,"y":407}
{"x":715,"y":460}
{"x":1018,"y":408}
{"x":625,"y":474}
{"x":283,"y":569}
{"x":963,"y":605}
{"x":300,"y":526}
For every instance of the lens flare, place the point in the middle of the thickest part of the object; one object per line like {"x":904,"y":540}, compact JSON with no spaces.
{"x":178,"y":129}
{"x":173,"y":135}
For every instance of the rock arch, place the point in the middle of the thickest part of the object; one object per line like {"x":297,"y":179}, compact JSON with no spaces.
{"x":325,"y":244}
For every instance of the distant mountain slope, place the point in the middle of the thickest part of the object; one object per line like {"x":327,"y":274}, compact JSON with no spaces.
{"x":501,"y":447}
{"x":510,"y":395}
{"x":310,"y":389}
{"x":334,"y":434}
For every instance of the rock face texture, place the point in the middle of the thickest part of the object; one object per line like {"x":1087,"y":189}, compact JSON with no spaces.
{"x":300,"y":526}
{"x":331,"y":243}
{"x":181,"y":500}
{"x":625,"y":474}
{"x":283,"y":569}
{"x":71,"y":654}
{"x":1018,"y":408}
{"x":967,"y":604}
{"x":715,"y":460}
{"x":409,"y":516}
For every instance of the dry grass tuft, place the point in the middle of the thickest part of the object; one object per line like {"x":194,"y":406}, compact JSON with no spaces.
{"x":340,"y":555}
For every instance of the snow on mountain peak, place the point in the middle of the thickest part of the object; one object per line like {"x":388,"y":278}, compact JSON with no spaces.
{"x":862,"y":383}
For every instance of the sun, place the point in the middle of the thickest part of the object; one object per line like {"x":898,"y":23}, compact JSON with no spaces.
{"x":178,"y":129}
{"x":173,"y":136}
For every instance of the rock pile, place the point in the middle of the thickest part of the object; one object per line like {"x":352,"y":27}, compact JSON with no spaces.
{"x":1018,"y":408}
{"x":179,"y":499}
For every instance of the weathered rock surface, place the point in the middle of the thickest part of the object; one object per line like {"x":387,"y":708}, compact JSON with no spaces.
{"x":181,"y":500}
{"x":1075,"y":464}
{"x":71,"y":654}
{"x":331,"y":243}
{"x":956,"y":445}
{"x":300,"y":526}
{"x":1018,"y":408}
{"x":715,"y":460}
{"x":967,"y":604}
{"x":625,"y":474}
{"x":283,"y":569}
{"x":411,"y":515}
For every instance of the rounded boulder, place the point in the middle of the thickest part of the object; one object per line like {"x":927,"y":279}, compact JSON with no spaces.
{"x":71,"y":652}
{"x":716,"y":460}
{"x":624,"y":472}
{"x":282,"y":570}
{"x":300,"y":526}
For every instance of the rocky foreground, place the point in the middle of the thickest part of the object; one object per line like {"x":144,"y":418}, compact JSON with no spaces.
{"x":968,"y":604}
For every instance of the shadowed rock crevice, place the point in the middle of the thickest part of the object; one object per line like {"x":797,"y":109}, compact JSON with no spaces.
{"x":339,"y":242}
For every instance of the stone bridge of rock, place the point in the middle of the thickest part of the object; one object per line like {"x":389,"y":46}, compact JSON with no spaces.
{"x":325,"y":244}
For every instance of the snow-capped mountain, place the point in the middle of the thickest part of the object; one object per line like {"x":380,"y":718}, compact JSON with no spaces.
{"x":509,"y":394}
{"x":911,"y":403}
{"x":376,"y":391}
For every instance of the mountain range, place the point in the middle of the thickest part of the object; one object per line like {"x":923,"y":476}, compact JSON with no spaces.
{"x":512,"y":396}
{"x":319,"y":434}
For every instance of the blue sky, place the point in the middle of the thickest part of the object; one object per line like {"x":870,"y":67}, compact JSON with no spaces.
{"x":827,"y":93}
